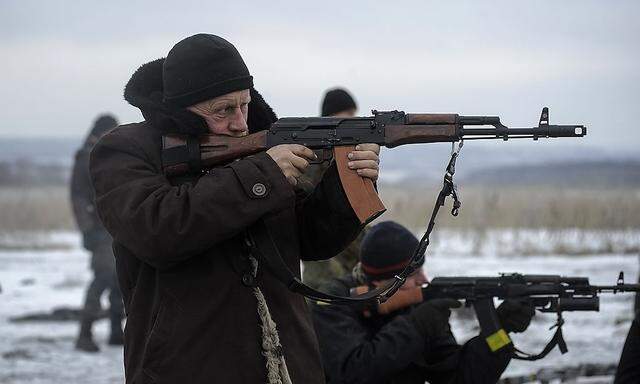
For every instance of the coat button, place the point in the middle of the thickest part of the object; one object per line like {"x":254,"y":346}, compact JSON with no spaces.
{"x":247,"y":280}
{"x":259,"y":189}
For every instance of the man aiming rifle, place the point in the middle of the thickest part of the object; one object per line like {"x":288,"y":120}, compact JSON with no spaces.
{"x":201,"y":306}
{"x":411,"y":343}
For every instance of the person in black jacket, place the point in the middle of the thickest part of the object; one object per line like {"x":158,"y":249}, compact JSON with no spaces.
{"x":629,"y":366}
{"x":96,"y":240}
{"x":410,"y":345}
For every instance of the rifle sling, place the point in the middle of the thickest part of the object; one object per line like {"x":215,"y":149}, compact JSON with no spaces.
{"x":557,"y":339}
{"x":268,"y":251}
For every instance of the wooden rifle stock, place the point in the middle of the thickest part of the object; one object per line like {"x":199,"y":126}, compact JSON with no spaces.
{"x":214,"y":149}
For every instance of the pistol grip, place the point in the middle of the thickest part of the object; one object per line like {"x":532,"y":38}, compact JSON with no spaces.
{"x":490,"y":328}
{"x":360,"y":191}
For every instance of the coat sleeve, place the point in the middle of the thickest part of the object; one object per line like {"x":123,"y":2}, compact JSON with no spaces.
{"x":352,"y":355}
{"x":164,"y":224}
{"x":473,"y":363}
{"x":326,"y":221}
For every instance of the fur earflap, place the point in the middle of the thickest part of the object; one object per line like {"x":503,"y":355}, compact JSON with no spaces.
{"x":260,"y":115}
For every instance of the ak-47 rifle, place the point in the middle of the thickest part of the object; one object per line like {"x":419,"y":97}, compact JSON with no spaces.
{"x":547,"y":293}
{"x":336,"y":137}
{"x":182,"y":154}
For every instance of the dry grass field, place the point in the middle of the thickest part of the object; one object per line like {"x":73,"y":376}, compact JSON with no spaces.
{"x":533,"y":208}
{"x":35,"y":209}
{"x":43,"y":209}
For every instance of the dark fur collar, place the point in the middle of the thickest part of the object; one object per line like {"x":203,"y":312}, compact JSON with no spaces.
{"x":144,"y":90}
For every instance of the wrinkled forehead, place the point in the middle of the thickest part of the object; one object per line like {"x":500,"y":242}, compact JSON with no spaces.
{"x":235,"y":96}
{"x":231,"y":98}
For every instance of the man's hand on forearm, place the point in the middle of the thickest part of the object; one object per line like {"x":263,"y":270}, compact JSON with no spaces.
{"x":365,"y":160}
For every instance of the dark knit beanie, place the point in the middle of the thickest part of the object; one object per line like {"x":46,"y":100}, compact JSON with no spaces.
{"x":386,"y":250}
{"x":202,"y":67}
{"x":337,"y":100}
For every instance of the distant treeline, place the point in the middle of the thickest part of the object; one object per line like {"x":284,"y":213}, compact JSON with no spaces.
{"x":607,"y":174}
{"x":552,"y":207}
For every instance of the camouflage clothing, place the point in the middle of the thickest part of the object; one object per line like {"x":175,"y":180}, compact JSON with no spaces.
{"x":318,"y":273}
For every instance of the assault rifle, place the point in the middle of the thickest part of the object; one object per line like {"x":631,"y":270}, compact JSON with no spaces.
{"x":336,"y":137}
{"x":184,"y":154}
{"x":547,"y":293}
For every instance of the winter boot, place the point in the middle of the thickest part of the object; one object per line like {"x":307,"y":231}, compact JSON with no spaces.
{"x":85,"y":339}
{"x":117,"y":336}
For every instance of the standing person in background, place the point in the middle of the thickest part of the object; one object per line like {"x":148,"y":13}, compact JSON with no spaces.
{"x":337,"y":102}
{"x":96,"y":240}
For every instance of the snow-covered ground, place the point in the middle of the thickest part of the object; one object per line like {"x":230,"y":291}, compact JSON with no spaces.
{"x":56,"y":273}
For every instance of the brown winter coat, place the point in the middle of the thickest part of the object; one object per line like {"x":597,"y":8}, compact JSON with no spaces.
{"x":180,"y":255}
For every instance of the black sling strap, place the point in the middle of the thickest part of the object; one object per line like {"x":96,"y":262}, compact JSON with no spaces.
{"x":557,"y":339}
{"x":189,"y":154}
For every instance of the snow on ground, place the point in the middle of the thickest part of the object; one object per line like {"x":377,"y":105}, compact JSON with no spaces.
{"x":56,"y":273}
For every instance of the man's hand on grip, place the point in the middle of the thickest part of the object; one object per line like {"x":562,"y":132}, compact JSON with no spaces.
{"x":293,"y":160}
{"x":515,"y":315}
{"x":431,"y":318}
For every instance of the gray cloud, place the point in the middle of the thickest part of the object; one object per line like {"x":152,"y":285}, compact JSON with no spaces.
{"x":64,"y":62}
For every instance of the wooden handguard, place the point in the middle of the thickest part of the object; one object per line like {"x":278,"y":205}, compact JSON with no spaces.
{"x":360,"y":191}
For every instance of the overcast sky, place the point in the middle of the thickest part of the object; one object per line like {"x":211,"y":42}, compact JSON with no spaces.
{"x":63,"y":62}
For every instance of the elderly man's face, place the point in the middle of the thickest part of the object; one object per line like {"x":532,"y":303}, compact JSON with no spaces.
{"x":416,"y":279}
{"x":225,"y":115}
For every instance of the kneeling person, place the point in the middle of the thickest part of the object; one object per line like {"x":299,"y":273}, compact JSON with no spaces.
{"x":409,"y":345}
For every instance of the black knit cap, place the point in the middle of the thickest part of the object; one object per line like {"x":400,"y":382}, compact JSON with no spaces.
{"x":202,"y":67}
{"x":337,"y":100}
{"x":386,"y":250}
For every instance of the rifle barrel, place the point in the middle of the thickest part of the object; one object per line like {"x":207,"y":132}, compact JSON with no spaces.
{"x":502,"y":132}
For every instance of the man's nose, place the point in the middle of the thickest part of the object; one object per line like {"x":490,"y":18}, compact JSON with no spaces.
{"x":238,"y":122}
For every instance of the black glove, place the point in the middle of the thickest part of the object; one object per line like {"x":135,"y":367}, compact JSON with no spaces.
{"x":515,"y":314}
{"x":431,"y":318}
